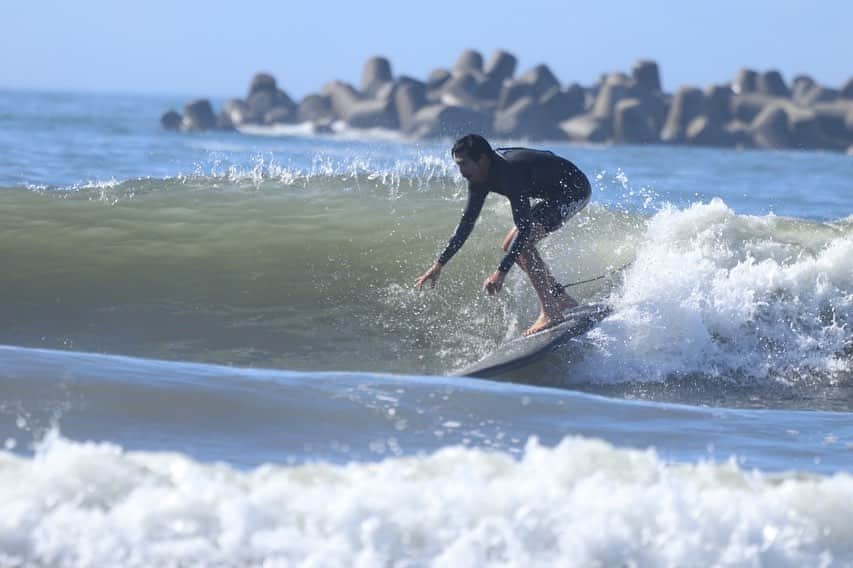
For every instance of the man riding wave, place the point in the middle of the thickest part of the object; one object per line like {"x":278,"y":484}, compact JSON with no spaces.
{"x":519,"y":174}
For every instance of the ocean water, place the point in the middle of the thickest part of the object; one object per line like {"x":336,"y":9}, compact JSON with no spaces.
{"x":212,"y":354}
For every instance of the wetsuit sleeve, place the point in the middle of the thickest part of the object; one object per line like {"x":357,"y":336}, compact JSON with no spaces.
{"x":521,"y":217}
{"x":476,"y":199}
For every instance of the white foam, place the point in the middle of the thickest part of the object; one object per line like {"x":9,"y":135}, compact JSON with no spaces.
{"x":279,"y":130}
{"x":713,"y":292}
{"x":339,"y":130}
{"x":582,"y":503}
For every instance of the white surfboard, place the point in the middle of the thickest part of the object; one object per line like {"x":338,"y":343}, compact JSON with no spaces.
{"x":524,"y":350}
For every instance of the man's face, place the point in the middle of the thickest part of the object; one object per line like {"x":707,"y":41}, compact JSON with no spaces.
{"x":475,"y":172}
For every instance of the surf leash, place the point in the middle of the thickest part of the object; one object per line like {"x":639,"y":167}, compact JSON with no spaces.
{"x":601,"y":277}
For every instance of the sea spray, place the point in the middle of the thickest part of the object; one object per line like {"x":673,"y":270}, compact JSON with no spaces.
{"x":722,"y":294}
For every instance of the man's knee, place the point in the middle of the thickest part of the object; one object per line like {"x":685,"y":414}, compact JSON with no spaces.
{"x":524,"y":258}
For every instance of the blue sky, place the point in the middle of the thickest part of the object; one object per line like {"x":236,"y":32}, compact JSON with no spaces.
{"x":196,"y":48}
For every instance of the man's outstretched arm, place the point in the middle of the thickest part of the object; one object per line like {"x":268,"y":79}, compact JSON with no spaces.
{"x":476,"y":199}
{"x":523,"y":224}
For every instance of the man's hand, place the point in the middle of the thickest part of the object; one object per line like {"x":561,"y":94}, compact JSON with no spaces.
{"x":430,"y":275}
{"x":493,"y":284}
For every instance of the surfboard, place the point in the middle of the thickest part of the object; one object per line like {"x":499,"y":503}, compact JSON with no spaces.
{"x":524,"y":350}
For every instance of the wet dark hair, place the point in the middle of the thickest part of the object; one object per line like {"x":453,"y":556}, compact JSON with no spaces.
{"x":472,"y":146}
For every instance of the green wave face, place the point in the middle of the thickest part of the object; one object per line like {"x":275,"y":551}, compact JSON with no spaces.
{"x":316,"y":272}
{"x":312,"y":272}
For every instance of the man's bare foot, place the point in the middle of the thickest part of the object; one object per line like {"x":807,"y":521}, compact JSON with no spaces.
{"x":542,"y":323}
{"x":555,"y":316}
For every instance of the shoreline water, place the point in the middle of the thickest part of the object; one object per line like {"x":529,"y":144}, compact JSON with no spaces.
{"x":72,"y":393}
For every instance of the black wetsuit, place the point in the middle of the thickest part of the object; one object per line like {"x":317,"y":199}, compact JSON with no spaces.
{"x":521,"y":174}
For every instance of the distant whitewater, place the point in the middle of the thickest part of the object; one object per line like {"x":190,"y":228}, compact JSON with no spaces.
{"x":582,"y":503}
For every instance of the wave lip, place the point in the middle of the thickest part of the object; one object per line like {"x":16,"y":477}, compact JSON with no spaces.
{"x":581,"y":503}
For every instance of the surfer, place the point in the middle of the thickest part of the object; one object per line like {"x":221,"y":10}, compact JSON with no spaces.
{"x":519,"y":174}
